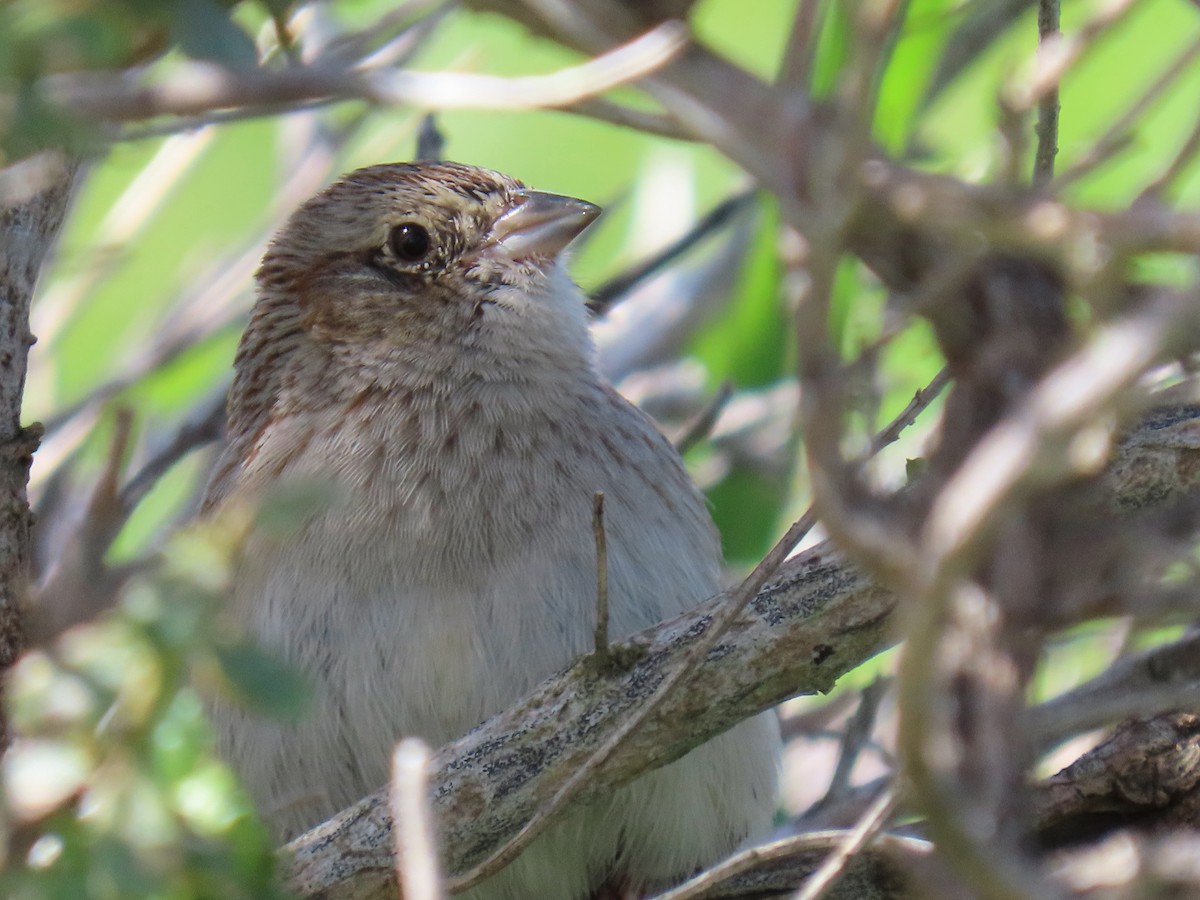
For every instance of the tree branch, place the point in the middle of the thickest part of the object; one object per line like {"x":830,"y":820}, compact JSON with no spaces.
{"x":28,"y":228}
{"x":817,"y":619}
{"x":194,"y":88}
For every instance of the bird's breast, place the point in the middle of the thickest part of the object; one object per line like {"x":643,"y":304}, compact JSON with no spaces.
{"x":456,"y":541}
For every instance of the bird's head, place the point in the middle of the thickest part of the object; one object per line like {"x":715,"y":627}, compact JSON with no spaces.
{"x":403,"y":258}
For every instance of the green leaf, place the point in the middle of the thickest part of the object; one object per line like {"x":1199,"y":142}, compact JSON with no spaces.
{"x":910,"y":69}
{"x":748,"y":343}
{"x":203,"y":30}
{"x":835,"y":42}
{"x":265,"y":683}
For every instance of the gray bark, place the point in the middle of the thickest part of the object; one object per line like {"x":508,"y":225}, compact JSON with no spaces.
{"x":819,"y":618}
{"x":29,"y":225}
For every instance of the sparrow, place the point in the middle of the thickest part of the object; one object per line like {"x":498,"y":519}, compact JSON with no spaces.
{"x":418,"y":347}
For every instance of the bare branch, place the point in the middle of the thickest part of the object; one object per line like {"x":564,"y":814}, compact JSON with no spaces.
{"x":1164,"y":182}
{"x":1145,"y":684}
{"x":783,"y":644}
{"x":980,"y":25}
{"x":1144,"y":773}
{"x":1037,"y":444}
{"x":920,"y":401}
{"x":1047,"y":123}
{"x":630,"y":117}
{"x":431,"y":143}
{"x":795,"y":70}
{"x":857,"y":734}
{"x":79,"y":584}
{"x":878,"y":871}
{"x":637,"y":719}
{"x":702,"y":424}
{"x":609,"y":293}
{"x":819,"y":618}
{"x":601,"y":630}
{"x":1116,"y":136}
{"x":28,"y":229}
{"x":417,"y":870}
{"x":193,"y":88}
{"x":819,"y":883}
{"x":203,"y":427}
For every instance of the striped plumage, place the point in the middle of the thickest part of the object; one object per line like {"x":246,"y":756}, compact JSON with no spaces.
{"x":452,"y":404}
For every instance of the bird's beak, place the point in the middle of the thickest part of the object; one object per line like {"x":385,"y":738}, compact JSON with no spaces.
{"x":538,"y":224}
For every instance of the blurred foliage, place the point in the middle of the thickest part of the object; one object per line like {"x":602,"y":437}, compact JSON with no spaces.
{"x":112,"y":789}
{"x":42,"y":37}
{"x":119,"y":796}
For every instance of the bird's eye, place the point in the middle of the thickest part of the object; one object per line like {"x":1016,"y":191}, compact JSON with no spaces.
{"x":410,"y":242}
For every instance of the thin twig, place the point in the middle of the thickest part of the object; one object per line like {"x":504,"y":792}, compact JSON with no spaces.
{"x":575,"y":24}
{"x":605,"y":296}
{"x":1026,"y":225}
{"x":1145,"y":684}
{"x":717,"y":626}
{"x":818,"y":720}
{"x":979,"y":26}
{"x":919,"y":402}
{"x":1116,"y":136}
{"x":601,"y":631}
{"x":854,"y":739}
{"x":877,"y":27}
{"x":630,"y":117}
{"x":1012,"y":124}
{"x":1047,"y":123}
{"x":770,"y":857}
{"x":1053,"y":65}
{"x":1031,"y":446}
{"x":394,"y":51}
{"x":418,"y":871}
{"x":868,"y":826}
{"x":203,"y":427}
{"x":811,"y":277}
{"x":701,"y":426}
{"x":1185,"y":156}
{"x":818,"y":596}
{"x":795,"y":72}
{"x":105,"y":501}
{"x":283,"y":33}
{"x":127,"y":218}
{"x":157,"y":128}
{"x":345,"y":51}
{"x":79,"y":584}
{"x":400,"y":19}
{"x":850,"y":806}
{"x":431,"y":143}
{"x":197,"y":87}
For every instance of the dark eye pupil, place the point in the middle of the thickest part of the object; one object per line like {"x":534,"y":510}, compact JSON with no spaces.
{"x":410,"y":242}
